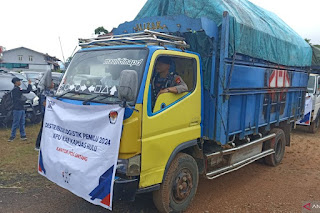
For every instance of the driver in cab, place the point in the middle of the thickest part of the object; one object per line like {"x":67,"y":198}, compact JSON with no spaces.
{"x":164,"y":80}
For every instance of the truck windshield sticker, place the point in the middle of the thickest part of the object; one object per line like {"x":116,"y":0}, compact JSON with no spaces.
{"x":123,"y":61}
{"x":91,"y":89}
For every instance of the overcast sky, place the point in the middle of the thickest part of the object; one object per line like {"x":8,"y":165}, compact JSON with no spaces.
{"x":38,"y":24}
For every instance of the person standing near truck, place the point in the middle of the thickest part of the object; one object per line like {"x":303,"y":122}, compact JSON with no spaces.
{"x":48,"y":91}
{"x":46,"y":86}
{"x":18,"y":109}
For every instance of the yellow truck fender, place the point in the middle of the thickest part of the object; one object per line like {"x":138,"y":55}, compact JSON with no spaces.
{"x":179,"y":148}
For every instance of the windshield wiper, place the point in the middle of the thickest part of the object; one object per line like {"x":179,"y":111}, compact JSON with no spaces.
{"x":97,"y":96}
{"x":74,"y":92}
{"x":88,"y":100}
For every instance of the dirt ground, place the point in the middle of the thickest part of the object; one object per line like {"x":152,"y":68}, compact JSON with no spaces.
{"x":254,"y":188}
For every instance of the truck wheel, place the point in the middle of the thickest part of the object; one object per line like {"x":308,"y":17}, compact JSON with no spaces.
{"x":314,"y":126}
{"x":179,"y":185}
{"x":278,"y":144}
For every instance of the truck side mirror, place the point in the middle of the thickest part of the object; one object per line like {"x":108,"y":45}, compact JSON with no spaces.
{"x":128,"y":85}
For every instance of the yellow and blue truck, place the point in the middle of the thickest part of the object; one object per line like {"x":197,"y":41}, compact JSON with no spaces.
{"x":239,"y":107}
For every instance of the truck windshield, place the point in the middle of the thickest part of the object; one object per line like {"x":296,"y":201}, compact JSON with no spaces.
{"x":311,"y":84}
{"x":98,"y":71}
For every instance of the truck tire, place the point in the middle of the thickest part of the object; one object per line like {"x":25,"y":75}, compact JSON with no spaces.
{"x":179,"y":185}
{"x":314,"y":126}
{"x":278,"y":144}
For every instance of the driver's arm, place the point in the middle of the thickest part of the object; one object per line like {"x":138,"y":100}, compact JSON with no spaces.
{"x":179,"y":86}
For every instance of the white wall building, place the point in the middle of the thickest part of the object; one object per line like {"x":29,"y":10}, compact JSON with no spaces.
{"x":24,"y":59}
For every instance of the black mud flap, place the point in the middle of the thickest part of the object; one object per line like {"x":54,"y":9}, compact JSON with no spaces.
{"x":125,"y":190}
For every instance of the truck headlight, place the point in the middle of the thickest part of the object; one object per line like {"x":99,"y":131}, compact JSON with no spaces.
{"x":35,"y":101}
{"x":129,"y":167}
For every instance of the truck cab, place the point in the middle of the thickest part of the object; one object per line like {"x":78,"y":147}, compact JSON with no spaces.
{"x":155,"y":127}
{"x":314,"y":94}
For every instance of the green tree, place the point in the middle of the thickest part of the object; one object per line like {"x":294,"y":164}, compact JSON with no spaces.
{"x":308,"y":41}
{"x":69,"y":59}
{"x":66,"y":65}
{"x":100,"y":30}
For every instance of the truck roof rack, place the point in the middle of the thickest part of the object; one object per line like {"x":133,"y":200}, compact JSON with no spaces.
{"x":147,"y":37}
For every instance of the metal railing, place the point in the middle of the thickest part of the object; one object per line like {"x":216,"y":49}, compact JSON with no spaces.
{"x":146,"y":37}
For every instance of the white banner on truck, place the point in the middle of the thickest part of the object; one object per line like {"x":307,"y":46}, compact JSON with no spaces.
{"x":79,"y":148}
{"x":306,"y":120}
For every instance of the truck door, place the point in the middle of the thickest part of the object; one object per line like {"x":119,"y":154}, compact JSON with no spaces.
{"x":317,"y":98}
{"x":169,"y":119}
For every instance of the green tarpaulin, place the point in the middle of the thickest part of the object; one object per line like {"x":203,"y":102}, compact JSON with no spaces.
{"x":315,"y":56}
{"x":253,"y":31}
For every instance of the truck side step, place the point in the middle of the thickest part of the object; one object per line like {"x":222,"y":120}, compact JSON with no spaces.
{"x":248,"y":145}
{"x":238,"y":165}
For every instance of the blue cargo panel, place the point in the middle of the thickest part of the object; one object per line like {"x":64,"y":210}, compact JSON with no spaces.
{"x":250,"y":93}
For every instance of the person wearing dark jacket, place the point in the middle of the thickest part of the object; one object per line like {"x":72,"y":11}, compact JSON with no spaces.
{"x":18,"y":109}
